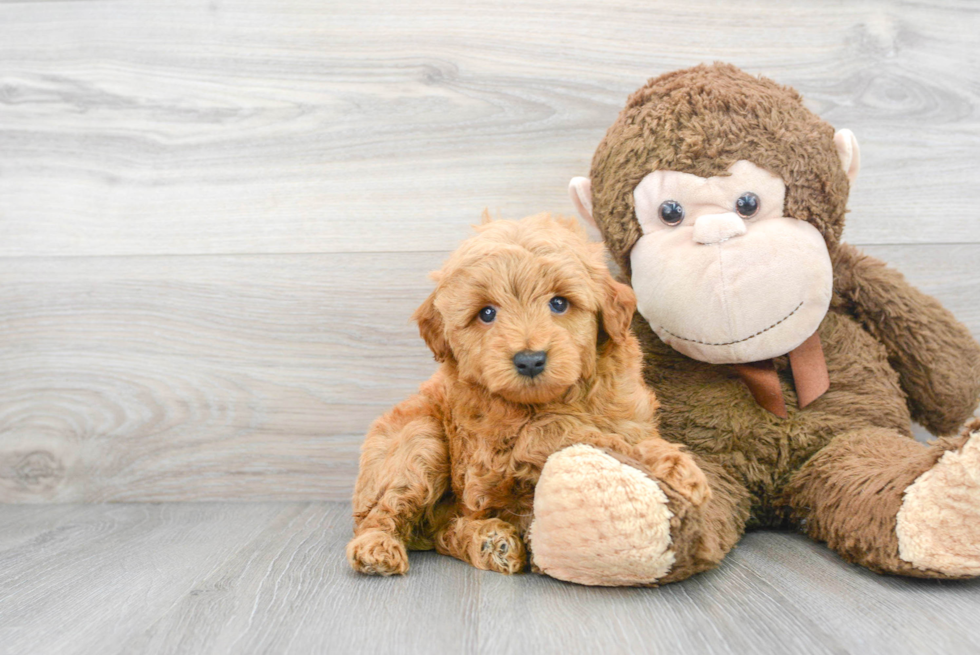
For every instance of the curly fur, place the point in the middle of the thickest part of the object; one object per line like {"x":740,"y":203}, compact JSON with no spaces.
{"x":455,"y":466}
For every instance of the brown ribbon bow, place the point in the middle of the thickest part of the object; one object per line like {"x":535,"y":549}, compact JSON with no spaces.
{"x":809,"y":376}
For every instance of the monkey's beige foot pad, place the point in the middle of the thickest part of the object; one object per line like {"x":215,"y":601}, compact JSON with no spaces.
{"x":938,"y":525}
{"x":598,"y":521}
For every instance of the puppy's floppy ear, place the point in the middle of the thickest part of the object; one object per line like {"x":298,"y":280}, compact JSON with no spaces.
{"x":432,"y":328}
{"x":617,"y":308}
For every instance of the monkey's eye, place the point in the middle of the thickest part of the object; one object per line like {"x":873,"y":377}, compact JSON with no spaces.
{"x":747,"y":205}
{"x":671,"y":212}
{"x":487,"y":314}
{"x":558,"y":305}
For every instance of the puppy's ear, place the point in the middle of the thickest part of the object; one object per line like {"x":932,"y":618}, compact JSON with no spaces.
{"x":432,"y":328}
{"x":617,"y":308}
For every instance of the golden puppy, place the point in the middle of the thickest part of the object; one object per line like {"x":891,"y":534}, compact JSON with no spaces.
{"x":533,"y":336}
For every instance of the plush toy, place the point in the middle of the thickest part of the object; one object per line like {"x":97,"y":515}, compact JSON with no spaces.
{"x":790,"y":363}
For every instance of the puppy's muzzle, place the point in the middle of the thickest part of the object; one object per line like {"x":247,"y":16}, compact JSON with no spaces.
{"x":530,"y":363}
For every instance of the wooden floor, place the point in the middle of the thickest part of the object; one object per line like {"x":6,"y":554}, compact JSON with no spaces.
{"x":244,"y":578}
{"x":215,"y":220}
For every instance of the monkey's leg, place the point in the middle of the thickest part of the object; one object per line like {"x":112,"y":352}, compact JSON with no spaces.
{"x":489,"y":544}
{"x":894,"y":505}
{"x":601,"y":519}
{"x":404,"y":471}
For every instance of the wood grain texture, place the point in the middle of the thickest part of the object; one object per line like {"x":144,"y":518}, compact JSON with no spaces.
{"x":236,"y":377}
{"x":272,"y":577}
{"x":895,"y":614}
{"x":200,"y":377}
{"x":215,"y":220}
{"x":100,"y":569}
{"x":316,"y":126}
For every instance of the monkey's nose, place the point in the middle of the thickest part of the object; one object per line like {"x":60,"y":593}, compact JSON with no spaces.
{"x":530,"y":363}
{"x":715,"y":228}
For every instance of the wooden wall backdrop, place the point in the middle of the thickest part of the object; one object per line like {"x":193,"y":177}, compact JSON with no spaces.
{"x":216,"y":217}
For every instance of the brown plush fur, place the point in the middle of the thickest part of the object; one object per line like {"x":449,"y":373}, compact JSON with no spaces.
{"x":852,"y":489}
{"x":455,"y":466}
{"x":839,"y":466}
{"x":701,"y":121}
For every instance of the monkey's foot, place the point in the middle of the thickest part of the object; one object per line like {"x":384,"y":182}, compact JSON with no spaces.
{"x":377,"y":553}
{"x":938,"y":525}
{"x":598,"y":521}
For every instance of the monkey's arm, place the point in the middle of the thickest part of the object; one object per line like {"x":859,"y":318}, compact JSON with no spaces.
{"x":936,"y":357}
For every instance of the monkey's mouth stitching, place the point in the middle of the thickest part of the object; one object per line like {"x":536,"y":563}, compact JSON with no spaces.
{"x":729,"y":343}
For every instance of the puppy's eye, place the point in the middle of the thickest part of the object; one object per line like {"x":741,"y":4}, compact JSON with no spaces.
{"x":671,"y":212}
{"x":558,"y":305}
{"x":747,"y":205}
{"x":487,"y":314}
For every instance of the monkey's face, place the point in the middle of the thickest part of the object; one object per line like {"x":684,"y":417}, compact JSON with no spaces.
{"x":719,"y":273}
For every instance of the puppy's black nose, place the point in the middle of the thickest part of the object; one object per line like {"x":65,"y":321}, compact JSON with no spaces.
{"x":530,"y":363}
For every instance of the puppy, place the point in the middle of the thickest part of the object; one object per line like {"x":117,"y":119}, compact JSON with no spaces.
{"x":533,"y":338}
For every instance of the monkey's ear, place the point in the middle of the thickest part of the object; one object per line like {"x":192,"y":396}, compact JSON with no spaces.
{"x":580,"y":190}
{"x":617,"y":309}
{"x":849,"y":153}
{"x":432,"y":328}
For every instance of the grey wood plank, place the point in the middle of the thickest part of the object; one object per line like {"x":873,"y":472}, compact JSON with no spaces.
{"x":20,"y":526}
{"x":110,"y":366}
{"x":248,"y":377}
{"x":292,"y":591}
{"x":871,"y":613}
{"x":97,"y":571}
{"x":312,"y":126}
{"x":724,"y":611}
{"x":271,"y":577}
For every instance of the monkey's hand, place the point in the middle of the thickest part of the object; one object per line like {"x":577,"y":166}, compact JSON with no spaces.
{"x":936,"y":357}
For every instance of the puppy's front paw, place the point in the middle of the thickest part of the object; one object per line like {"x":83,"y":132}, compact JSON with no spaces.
{"x":497,"y":547}
{"x":377,"y":553}
{"x":668,"y":462}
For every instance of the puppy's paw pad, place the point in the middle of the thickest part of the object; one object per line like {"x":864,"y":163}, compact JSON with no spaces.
{"x":501,"y":548}
{"x":377,"y":553}
{"x":938,"y":525}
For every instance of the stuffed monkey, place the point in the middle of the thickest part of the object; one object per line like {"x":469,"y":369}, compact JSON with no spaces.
{"x":789,"y":363}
